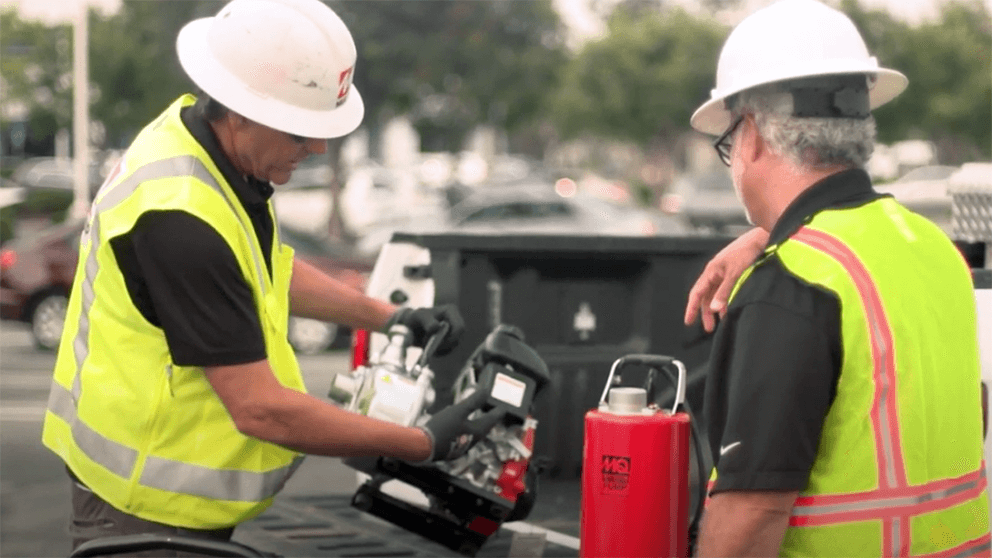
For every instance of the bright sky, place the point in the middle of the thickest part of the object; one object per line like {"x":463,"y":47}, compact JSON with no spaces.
{"x":585,"y":24}
{"x":575,"y":12}
{"x":57,"y":10}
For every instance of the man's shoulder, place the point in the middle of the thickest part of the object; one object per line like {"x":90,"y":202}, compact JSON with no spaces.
{"x":773,"y":283}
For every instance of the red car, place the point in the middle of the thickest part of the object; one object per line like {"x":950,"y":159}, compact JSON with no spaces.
{"x":36,"y":275}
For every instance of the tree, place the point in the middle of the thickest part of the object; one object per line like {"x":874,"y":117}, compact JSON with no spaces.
{"x":949,"y":98}
{"x":134,"y":73}
{"x":455,"y":64}
{"x":36,"y":69}
{"x":642,"y":81}
{"x":134,"y":65}
{"x":451,"y":65}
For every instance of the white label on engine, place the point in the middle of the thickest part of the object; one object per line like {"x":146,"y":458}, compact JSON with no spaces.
{"x":509,"y":390}
{"x":396,"y":397}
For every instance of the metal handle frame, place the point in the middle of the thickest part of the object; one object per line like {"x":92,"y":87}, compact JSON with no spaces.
{"x":650,"y":360}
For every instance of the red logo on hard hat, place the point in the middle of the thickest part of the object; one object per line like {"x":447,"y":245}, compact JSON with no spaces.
{"x":344,"y":84}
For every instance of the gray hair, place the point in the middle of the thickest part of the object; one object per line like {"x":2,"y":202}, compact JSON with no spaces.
{"x":806,"y":142}
{"x":211,"y":109}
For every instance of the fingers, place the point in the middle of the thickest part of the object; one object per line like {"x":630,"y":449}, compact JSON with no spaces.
{"x":449,"y":314}
{"x":701,"y":294}
{"x":709,"y":322}
{"x":691,"y":308}
{"x":471,"y":403}
{"x":480,"y":426}
{"x":719,"y":301}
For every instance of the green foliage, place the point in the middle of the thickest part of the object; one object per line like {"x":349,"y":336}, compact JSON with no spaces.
{"x":8,"y":218}
{"x":452,"y":65}
{"x":36,"y":65}
{"x":643,"y":80}
{"x":134,"y":65}
{"x":949,"y":66}
{"x":134,"y":73}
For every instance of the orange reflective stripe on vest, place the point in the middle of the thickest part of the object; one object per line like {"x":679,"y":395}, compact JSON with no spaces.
{"x":895,"y":501}
{"x":884,"y":420}
{"x":876,"y":504}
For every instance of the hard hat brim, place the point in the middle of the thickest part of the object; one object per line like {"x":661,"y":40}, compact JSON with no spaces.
{"x":713,"y":117}
{"x":215,"y":80}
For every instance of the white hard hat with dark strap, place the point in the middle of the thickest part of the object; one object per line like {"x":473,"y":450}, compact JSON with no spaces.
{"x":792,"y":40}
{"x":287,"y":64}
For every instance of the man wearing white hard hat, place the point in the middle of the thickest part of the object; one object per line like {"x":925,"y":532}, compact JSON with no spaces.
{"x":843,"y":400}
{"x":177,"y":402}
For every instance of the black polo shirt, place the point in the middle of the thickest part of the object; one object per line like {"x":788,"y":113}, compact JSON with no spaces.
{"x":776,"y":359}
{"x":183,"y":277}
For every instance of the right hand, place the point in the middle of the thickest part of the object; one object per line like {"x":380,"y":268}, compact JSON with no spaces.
{"x":708,"y":296}
{"x":425,"y":322}
{"x":452,"y":434}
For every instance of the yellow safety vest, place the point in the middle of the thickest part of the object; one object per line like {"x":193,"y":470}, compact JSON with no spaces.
{"x":899,"y":470}
{"x":150,"y":437}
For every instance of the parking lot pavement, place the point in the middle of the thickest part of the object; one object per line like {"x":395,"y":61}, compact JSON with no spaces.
{"x":34,"y":489}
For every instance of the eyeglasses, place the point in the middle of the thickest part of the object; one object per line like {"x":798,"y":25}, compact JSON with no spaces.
{"x":723,"y":143}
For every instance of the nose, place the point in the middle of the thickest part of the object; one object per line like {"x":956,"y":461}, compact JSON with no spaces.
{"x":317,"y":146}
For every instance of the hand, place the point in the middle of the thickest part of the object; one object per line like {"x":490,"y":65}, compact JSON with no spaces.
{"x":709,"y":294}
{"x":452,"y":434}
{"x":425,"y":322}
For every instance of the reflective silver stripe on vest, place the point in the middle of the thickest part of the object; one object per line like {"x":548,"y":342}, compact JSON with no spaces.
{"x":980,"y":550}
{"x":880,"y":504}
{"x":118,"y":458}
{"x":175,"y":167}
{"x":239,"y":486}
{"x":892,"y":469}
{"x":897,"y":527}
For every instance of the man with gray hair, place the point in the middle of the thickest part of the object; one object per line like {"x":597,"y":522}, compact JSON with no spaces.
{"x":843,"y":400}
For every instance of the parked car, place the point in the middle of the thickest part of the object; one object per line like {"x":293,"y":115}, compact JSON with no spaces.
{"x":11,"y":195}
{"x":338,"y":260}
{"x":52,"y":173}
{"x":536,"y":208}
{"x":706,"y":200}
{"x":36,"y":274}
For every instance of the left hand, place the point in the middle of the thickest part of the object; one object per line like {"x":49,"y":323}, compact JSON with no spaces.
{"x":452,"y":434}
{"x":425,"y":322}
{"x":708,"y":296}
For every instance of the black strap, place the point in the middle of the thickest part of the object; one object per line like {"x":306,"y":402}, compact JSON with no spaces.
{"x":839,"y":96}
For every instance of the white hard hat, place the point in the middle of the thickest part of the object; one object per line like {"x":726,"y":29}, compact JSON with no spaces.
{"x":788,"y":40}
{"x":287,"y":64}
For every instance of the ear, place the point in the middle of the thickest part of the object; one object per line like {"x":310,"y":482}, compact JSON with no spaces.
{"x":236,"y":121}
{"x":753,"y":146}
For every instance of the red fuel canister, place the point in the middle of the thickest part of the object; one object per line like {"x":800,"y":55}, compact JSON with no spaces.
{"x":635,"y":474}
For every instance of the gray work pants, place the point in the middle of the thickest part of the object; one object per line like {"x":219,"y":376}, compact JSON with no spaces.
{"x":93,"y":518}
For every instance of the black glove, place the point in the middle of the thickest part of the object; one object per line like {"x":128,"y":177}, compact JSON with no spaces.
{"x":425,"y":322}
{"x":452,"y":434}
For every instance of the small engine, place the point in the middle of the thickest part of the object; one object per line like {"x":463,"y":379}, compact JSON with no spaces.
{"x":495,"y":481}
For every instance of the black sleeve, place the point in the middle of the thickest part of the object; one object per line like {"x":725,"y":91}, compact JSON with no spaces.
{"x":195,"y":290}
{"x":773,"y":378}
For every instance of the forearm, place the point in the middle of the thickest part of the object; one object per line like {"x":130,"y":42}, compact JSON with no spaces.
{"x":756,"y":239}
{"x":263,"y":408}
{"x":745,"y":523}
{"x":314,"y":294}
{"x":306,"y":424}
